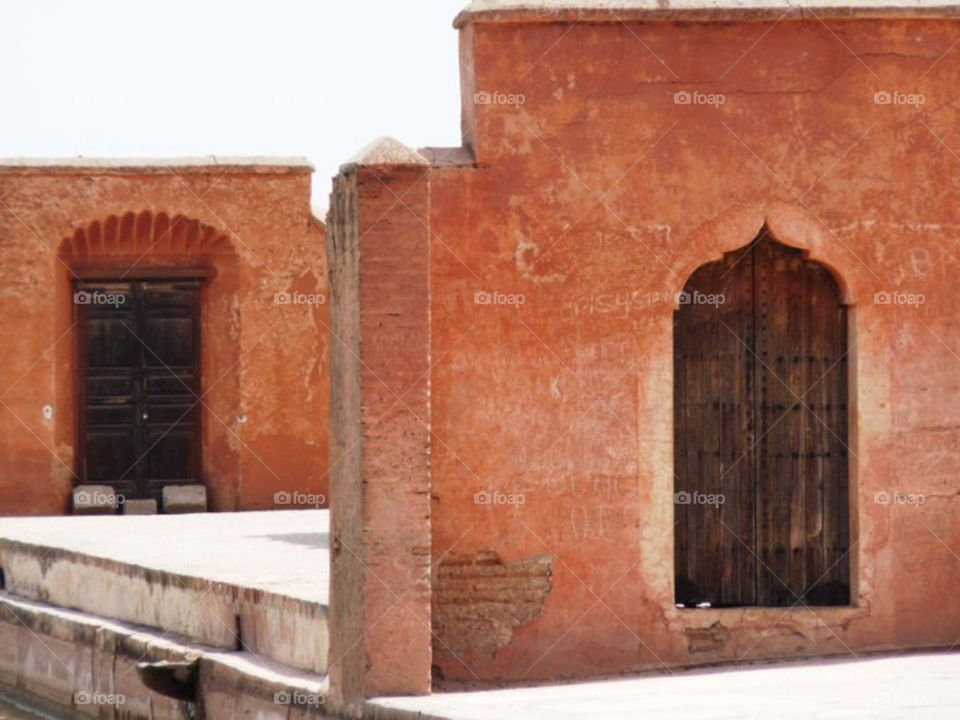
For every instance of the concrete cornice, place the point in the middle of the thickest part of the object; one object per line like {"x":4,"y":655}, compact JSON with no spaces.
{"x":111,"y":166}
{"x":513,"y":11}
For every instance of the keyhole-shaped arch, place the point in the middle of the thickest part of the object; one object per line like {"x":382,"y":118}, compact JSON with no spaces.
{"x":761,"y":432}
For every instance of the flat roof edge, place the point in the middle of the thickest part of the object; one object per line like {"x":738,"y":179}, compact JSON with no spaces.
{"x":704,"y":12}
{"x":207,"y":164}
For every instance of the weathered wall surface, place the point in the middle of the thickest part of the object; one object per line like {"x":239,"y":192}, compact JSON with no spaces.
{"x":595,"y":198}
{"x":265,"y":382}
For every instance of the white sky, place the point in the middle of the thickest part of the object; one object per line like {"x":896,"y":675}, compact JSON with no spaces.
{"x":318,"y":78}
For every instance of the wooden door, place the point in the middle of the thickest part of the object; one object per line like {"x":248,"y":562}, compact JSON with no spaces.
{"x":760,"y":414}
{"x":139,"y":384}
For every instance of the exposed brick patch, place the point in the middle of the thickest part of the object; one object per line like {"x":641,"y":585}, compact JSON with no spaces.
{"x":708,"y":639}
{"x":479,"y":599}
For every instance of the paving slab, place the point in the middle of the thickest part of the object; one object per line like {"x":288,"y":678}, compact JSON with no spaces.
{"x":906,"y":687}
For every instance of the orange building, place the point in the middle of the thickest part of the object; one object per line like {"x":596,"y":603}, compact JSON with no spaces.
{"x":166,"y":327}
{"x":658,"y":369}
{"x":661,"y":367}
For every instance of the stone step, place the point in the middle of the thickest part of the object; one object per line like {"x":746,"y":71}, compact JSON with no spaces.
{"x":139,"y":507}
{"x":104,"y":500}
{"x":73,"y":664}
{"x":184,"y":499}
{"x":95,"y":500}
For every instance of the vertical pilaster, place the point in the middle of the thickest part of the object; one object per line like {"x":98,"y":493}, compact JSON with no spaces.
{"x":378,"y":246}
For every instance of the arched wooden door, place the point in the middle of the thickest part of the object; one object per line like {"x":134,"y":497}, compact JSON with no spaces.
{"x":760,"y":432}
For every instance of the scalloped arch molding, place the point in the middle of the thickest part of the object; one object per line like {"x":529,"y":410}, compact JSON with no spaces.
{"x":146,"y":232}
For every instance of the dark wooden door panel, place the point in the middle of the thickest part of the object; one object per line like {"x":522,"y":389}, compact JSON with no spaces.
{"x":714,"y":432}
{"x":111,"y":456}
{"x":171,"y":332}
{"x":139,"y":384}
{"x":170,"y":341}
{"x":802,"y":458}
{"x":170,"y":458}
{"x":761,"y":420}
{"x":109,"y":346}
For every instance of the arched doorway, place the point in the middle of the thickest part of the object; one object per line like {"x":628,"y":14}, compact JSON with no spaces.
{"x":140,"y":289}
{"x":760,"y":432}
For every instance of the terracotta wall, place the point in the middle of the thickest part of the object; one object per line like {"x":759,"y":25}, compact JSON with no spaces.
{"x":265,"y":383}
{"x":595,"y":198}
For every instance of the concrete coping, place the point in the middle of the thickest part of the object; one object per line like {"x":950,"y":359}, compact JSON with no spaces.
{"x":205,"y":164}
{"x":386,"y":152}
{"x":615,"y":11}
{"x":443,"y":157}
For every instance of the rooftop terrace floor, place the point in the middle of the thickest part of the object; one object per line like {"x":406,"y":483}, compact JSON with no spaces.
{"x":284,"y":552}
